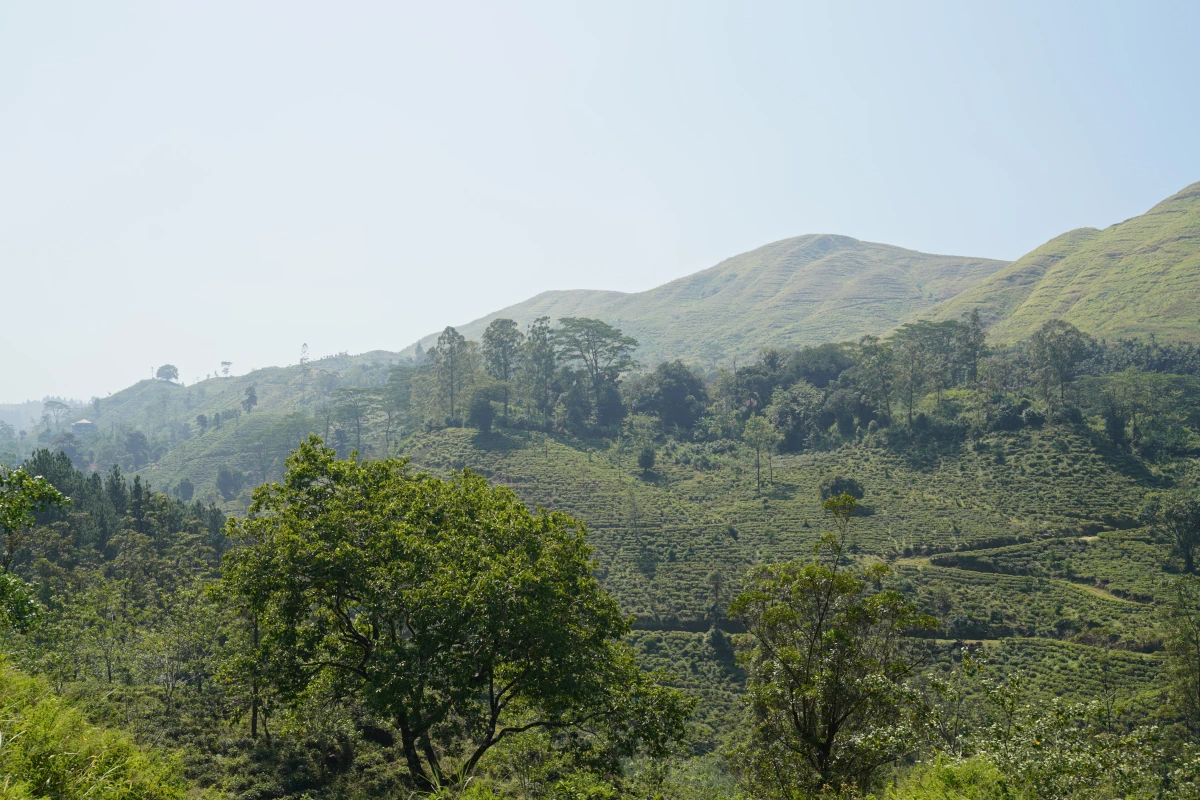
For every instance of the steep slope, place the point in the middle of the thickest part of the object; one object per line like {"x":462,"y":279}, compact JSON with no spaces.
{"x":1139,"y":277}
{"x":806,"y":290}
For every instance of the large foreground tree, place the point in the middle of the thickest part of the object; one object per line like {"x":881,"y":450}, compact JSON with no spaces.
{"x":443,"y":606}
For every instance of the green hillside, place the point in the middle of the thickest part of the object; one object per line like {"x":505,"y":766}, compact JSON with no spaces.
{"x":1138,"y":278}
{"x":287,"y":397}
{"x":806,"y":290}
{"x":1014,"y":517}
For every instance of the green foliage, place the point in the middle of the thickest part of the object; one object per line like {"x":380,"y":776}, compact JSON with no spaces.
{"x":50,"y":751}
{"x":446,"y":607}
{"x":835,"y":485}
{"x":949,"y":779}
{"x":646,"y":457}
{"x":1177,"y":515}
{"x":481,"y":414}
{"x":1182,"y":617}
{"x":229,"y":482}
{"x":18,"y":608}
{"x":1055,"y":350}
{"x":21,"y":496}
{"x":250,"y":399}
{"x":796,"y":414}
{"x":672,"y":392}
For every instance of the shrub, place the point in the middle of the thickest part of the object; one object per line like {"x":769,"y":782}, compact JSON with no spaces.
{"x":646,"y":458}
{"x":481,"y":414}
{"x":834,"y":485}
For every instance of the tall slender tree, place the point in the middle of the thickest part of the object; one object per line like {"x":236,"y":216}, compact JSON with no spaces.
{"x":877,"y":362}
{"x":539,"y":363}
{"x":501,"y":350}
{"x":448,"y":361}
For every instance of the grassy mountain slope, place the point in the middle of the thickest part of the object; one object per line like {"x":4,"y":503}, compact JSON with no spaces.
{"x":807,"y":290}
{"x":1136,"y":278}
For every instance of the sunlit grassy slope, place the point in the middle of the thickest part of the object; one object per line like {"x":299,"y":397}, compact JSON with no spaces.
{"x":806,"y":290}
{"x":1136,"y":278}
{"x":660,"y":536}
{"x":48,"y":749}
{"x":1026,"y":541}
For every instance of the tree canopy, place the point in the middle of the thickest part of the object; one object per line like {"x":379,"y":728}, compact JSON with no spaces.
{"x":445,"y":606}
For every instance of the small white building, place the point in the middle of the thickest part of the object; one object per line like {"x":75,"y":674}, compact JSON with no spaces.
{"x":83,"y":426}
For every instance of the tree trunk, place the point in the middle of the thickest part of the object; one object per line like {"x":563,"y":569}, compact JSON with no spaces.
{"x":413,"y":759}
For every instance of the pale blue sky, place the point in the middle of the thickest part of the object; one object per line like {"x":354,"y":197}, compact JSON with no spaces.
{"x":198,"y":182}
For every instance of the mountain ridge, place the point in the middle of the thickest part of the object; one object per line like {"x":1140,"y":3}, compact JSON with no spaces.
{"x":801,"y":290}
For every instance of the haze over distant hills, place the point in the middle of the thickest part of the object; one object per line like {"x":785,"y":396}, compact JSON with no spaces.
{"x":805,"y":290}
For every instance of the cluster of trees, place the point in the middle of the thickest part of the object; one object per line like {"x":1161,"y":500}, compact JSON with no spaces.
{"x":930,"y":380}
{"x":435,"y":631}
{"x":369,"y":629}
{"x":567,"y":375}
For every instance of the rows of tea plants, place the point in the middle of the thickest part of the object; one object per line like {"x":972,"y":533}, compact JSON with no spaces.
{"x":1128,"y":564}
{"x":993,"y":606}
{"x":1021,"y":540}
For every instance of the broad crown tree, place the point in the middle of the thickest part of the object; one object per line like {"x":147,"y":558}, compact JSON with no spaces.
{"x":444,"y":606}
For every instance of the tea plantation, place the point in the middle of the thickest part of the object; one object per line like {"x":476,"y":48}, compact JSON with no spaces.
{"x":1026,"y":540}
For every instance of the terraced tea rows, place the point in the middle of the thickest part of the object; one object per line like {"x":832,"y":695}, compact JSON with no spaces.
{"x":1078,"y":673}
{"x":1127,"y":564}
{"x":991,"y":606}
{"x":1008,"y":540}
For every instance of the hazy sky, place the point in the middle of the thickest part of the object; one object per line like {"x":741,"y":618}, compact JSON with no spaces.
{"x":198,"y":182}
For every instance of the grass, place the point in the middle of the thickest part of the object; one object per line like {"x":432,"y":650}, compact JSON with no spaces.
{"x":48,"y":750}
{"x":1140,"y":277}
{"x":806,"y":290}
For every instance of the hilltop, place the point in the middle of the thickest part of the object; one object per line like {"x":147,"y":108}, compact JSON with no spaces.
{"x":806,"y":290}
{"x":1138,"y":278}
